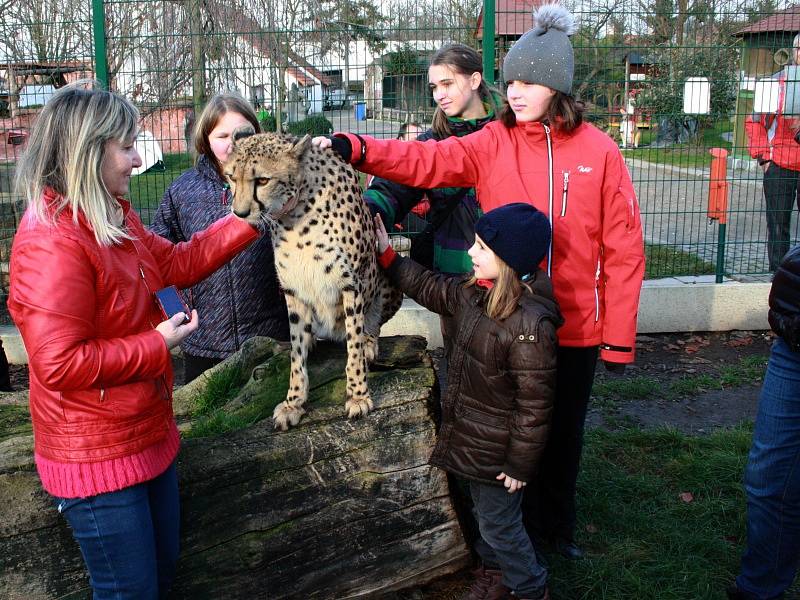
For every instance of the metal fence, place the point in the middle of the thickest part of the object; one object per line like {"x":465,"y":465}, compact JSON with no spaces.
{"x":667,"y":79}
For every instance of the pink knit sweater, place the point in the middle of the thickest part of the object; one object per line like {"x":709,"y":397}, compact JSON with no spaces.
{"x":80,"y":480}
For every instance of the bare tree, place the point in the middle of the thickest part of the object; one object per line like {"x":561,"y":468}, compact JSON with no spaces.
{"x":339,"y":23}
{"x":42,"y":31}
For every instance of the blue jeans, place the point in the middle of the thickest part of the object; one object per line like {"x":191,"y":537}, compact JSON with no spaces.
{"x":504,"y":542}
{"x":129,"y":538}
{"x":772,"y":482}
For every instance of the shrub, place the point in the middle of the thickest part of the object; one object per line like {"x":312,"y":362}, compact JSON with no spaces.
{"x":267,"y":121}
{"x":313,"y":125}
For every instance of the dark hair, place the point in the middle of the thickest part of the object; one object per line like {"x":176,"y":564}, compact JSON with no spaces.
{"x":565,"y":113}
{"x":218,"y":107}
{"x":406,"y":126}
{"x":464,"y":61}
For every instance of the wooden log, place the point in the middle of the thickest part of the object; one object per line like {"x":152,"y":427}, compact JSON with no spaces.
{"x":330,"y":509}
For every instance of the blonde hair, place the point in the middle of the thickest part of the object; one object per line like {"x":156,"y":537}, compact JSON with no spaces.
{"x":218,"y":107}
{"x":505,"y":293}
{"x":65,"y":154}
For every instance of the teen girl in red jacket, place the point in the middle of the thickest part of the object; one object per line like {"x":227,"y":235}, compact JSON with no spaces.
{"x":541,"y":152}
{"x":83,"y":273}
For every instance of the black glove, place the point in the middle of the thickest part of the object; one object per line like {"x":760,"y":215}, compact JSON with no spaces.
{"x":342,"y":147}
{"x":615,"y":368}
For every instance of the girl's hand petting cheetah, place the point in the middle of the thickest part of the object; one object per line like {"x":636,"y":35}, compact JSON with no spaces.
{"x":382,"y":238}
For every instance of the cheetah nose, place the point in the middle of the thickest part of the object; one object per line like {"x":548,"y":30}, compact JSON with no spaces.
{"x":242,"y":214}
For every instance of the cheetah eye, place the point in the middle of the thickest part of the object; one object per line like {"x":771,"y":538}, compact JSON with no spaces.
{"x":262,"y":180}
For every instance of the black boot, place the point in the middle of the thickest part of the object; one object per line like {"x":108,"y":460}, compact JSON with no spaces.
{"x":5,"y":377}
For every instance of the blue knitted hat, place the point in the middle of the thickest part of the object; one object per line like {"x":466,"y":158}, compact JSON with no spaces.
{"x":517,"y":233}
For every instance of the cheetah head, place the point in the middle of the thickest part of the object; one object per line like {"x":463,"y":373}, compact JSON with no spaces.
{"x":265,"y":174}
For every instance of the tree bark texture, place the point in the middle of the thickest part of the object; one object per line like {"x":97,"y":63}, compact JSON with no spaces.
{"x":332,"y":508}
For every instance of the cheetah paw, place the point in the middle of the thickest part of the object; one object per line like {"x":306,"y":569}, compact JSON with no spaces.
{"x":287,"y":414}
{"x":358,"y":407}
{"x":371,"y":348}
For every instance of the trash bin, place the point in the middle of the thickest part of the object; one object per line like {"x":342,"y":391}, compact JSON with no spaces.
{"x":361,"y":111}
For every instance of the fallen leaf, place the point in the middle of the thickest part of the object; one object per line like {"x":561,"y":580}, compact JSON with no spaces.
{"x":739,"y":342}
{"x":686,"y":497}
{"x":671,"y":347}
{"x":591,"y":528}
{"x":692,"y":348}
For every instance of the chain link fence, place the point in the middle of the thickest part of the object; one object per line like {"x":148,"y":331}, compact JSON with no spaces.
{"x":669,"y":80}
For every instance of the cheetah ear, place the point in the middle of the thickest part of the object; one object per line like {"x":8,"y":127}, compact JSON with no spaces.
{"x":241,"y":132}
{"x":299,"y":149}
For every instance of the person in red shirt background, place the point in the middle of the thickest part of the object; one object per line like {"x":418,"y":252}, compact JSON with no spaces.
{"x":542,"y":152}
{"x":772,"y":139}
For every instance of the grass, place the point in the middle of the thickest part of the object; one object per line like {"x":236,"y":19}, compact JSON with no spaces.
{"x":643,"y":540}
{"x":747,"y":371}
{"x":147,"y":189}
{"x":222,"y":386}
{"x":666,"y":261}
{"x":692,"y":155}
{"x":211,"y":416}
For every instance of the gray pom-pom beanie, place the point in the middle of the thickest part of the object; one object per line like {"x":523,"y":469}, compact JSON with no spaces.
{"x":544,"y":54}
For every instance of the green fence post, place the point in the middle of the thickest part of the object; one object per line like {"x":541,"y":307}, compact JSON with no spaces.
{"x":720,"y":269}
{"x":488,"y":41}
{"x":99,"y":29}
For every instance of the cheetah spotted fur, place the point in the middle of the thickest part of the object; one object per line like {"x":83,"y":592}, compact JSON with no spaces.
{"x":324,"y":254}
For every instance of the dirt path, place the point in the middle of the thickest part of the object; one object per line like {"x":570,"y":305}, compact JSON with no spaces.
{"x":693,"y":382}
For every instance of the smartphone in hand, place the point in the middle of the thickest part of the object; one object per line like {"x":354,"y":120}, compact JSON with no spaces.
{"x":171,"y":303}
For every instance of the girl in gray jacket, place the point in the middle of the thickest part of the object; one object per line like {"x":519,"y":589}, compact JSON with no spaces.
{"x":242,"y":299}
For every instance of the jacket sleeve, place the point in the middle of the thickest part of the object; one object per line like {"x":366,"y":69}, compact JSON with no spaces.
{"x":532,"y":365}
{"x":392,"y":200}
{"x":784,"y":300}
{"x":623,"y":262}
{"x":757,"y":141}
{"x":186,"y":263}
{"x":52,"y":298}
{"x":165,"y":223}
{"x":436,"y":292}
{"x":452,"y":162}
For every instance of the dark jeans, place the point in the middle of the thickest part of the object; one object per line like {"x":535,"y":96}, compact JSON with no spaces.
{"x":194,"y":366}
{"x":548,"y":505}
{"x":772,"y":482}
{"x":504,"y":541}
{"x":129,"y":538}
{"x":780,"y":194}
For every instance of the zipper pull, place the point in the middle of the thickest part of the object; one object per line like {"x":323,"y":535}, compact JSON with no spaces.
{"x":564,"y":194}
{"x":141,"y":272}
{"x":546,"y":129}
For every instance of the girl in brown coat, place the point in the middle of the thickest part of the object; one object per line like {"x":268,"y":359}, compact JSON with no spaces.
{"x":500,"y":326}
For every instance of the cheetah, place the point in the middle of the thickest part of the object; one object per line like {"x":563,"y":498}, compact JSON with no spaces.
{"x":325,"y":258}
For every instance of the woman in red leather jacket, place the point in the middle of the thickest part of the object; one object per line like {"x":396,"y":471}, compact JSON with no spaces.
{"x":83,"y":275}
